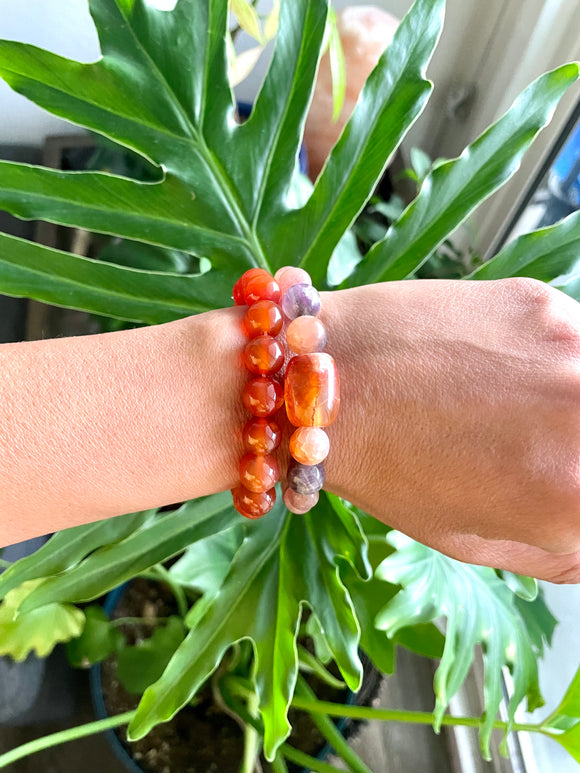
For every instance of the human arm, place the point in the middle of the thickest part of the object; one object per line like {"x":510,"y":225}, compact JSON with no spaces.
{"x":458,"y":424}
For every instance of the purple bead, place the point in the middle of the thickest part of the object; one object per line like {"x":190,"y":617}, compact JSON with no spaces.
{"x":299,"y":300}
{"x":306,"y":478}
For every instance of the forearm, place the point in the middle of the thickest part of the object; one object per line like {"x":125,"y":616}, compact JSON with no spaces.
{"x":96,"y":426}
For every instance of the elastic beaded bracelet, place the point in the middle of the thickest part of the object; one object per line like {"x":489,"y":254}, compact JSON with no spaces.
{"x":263,"y":396}
{"x":311,"y":389}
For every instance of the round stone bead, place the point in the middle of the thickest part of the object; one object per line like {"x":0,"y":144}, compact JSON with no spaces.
{"x":259,"y":285}
{"x":306,"y":334}
{"x":309,"y":445}
{"x":263,"y":318}
{"x":299,"y":300}
{"x":305,"y":478}
{"x":263,"y":355}
{"x":262,"y":396}
{"x":258,"y":473}
{"x":312,"y":390}
{"x":238,"y":293}
{"x":291,"y":275}
{"x":261,"y":436}
{"x":253,"y":505}
{"x":299,"y":503}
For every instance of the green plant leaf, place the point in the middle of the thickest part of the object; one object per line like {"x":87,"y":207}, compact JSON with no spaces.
{"x":570,"y":705}
{"x":247,"y":18}
{"x":97,"y":641}
{"x":205,"y":564}
{"x":66,"y":548}
{"x":111,"y":565}
{"x":479,"y":608}
{"x":143,"y":664}
{"x":455,"y":188}
{"x":526,"y":588}
{"x":337,"y":66}
{"x":284,"y":562}
{"x":40,"y":630}
{"x":545,"y":254}
{"x":32,"y":271}
{"x":570,"y":740}
{"x":540,"y":622}
{"x":390,"y":102}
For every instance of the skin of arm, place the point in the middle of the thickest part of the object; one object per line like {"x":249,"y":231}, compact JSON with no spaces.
{"x":459,"y":421}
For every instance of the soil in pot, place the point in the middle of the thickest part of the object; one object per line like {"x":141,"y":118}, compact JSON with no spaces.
{"x":200,"y":738}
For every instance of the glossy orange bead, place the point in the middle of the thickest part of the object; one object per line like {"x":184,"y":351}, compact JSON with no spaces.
{"x":261,"y":287}
{"x":262,"y":396}
{"x":251,"y":504}
{"x":259,"y":473}
{"x":263,"y":355}
{"x":312,"y":390}
{"x":309,"y":445}
{"x":263,"y":318}
{"x":261,"y":436}
{"x":306,"y":334}
{"x":238,"y":293}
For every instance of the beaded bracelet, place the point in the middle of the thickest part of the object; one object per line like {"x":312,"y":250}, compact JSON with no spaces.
{"x":311,"y":390}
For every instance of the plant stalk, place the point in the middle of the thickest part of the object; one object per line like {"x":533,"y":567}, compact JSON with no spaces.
{"x":306,"y":761}
{"x":252,"y":739}
{"x":159,"y":572}
{"x":63,"y":736}
{"x":329,"y":730}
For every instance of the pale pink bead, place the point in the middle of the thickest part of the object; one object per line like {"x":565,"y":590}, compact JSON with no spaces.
{"x":309,"y":445}
{"x":306,"y":334}
{"x":291,"y":275}
{"x":299,"y":503}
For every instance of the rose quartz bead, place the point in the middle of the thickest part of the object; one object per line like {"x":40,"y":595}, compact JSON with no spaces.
{"x":309,"y":445}
{"x":299,"y":503}
{"x":306,"y":334}
{"x":291,"y":275}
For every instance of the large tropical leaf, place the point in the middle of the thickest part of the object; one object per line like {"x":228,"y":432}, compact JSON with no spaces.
{"x":546,"y":254}
{"x":452,"y":190}
{"x":222,"y":190}
{"x":68,"y":547}
{"x":284,"y":562}
{"x":480,"y":609}
{"x":111,"y":565}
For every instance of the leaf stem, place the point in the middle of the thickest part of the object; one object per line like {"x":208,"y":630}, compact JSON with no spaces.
{"x":312,"y":665}
{"x":329,"y":730}
{"x":82,"y":731}
{"x":314,"y":706}
{"x":252,"y":739}
{"x":278,"y":764}
{"x":306,"y":761}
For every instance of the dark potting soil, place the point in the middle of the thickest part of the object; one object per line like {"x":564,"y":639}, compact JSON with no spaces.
{"x":200,"y":738}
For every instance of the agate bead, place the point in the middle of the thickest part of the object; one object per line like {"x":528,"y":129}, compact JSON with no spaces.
{"x":299,"y":300}
{"x":253,"y":505}
{"x":312,"y":390}
{"x":299,"y":503}
{"x":258,"y":473}
{"x":263,"y":355}
{"x":263,"y":318}
{"x":309,"y":445}
{"x":259,"y":285}
{"x":262,"y":396}
{"x":261,"y":436}
{"x":291,"y":275}
{"x":306,"y":334}
{"x":305,"y":478}
{"x":238,"y":293}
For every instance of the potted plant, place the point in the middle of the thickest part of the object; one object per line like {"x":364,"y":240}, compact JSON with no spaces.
{"x":180,"y":119}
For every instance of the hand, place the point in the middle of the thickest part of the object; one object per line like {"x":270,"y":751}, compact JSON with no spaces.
{"x":460,"y":417}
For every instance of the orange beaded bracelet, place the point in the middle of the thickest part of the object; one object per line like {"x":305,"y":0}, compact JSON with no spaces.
{"x":311,"y":391}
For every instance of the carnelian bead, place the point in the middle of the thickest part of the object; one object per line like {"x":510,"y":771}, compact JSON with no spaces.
{"x":262,"y":396}
{"x":263,"y":355}
{"x":309,"y":445}
{"x":312,"y":390}
{"x":238,"y":293}
{"x":261,"y":436}
{"x":253,"y":505}
{"x":263,"y":318}
{"x":306,"y":334}
{"x":261,"y":287}
{"x":258,"y":473}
